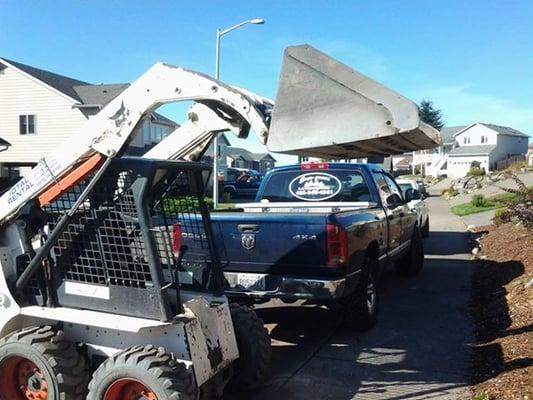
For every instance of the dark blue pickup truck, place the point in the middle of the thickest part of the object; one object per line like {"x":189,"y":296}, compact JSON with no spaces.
{"x":321,"y":233}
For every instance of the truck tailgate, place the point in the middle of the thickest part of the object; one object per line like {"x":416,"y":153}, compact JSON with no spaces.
{"x":266,"y":243}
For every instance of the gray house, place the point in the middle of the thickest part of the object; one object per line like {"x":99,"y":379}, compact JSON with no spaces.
{"x":241,"y":158}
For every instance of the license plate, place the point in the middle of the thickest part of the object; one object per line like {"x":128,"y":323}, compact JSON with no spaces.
{"x":246,"y":281}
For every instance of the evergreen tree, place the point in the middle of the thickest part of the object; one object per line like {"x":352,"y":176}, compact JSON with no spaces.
{"x":430,"y":115}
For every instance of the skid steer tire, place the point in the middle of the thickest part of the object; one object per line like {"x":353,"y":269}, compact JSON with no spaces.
{"x":38,"y":363}
{"x":255,"y":352}
{"x":142,"y":372}
{"x":359,"y":310}
{"x":412,"y":263}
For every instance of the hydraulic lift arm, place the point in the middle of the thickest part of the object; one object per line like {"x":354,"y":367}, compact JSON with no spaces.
{"x":106,"y":134}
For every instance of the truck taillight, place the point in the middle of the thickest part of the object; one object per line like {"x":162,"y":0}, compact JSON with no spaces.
{"x":313,"y":166}
{"x":176,"y":239}
{"x":337,"y":245}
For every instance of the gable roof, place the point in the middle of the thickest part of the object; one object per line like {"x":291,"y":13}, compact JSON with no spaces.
{"x":89,"y":95}
{"x":234,"y":152}
{"x":481,"y":150}
{"x":61,"y":83}
{"x":502,"y":130}
{"x":505,"y":130}
{"x":99,"y":95}
{"x":262,"y":156}
{"x":447,"y":134}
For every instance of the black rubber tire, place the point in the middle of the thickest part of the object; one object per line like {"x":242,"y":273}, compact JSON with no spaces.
{"x":358,"y":312}
{"x":255,"y":352}
{"x":425,"y":229}
{"x":60,"y":362}
{"x":151,"y":366}
{"x":412,"y":263}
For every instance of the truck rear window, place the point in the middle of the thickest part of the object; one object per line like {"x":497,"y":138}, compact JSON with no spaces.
{"x":328,"y":185}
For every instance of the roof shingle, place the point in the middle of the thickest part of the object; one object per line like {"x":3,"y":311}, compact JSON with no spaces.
{"x":481,"y":150}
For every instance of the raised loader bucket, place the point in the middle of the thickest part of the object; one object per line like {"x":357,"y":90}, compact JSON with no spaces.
{"x":325,"y":109}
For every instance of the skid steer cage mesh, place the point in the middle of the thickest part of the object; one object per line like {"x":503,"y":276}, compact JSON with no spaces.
{"x":121,"y":248}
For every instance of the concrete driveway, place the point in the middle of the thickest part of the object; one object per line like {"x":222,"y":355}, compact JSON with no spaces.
{"x":417,"y":350}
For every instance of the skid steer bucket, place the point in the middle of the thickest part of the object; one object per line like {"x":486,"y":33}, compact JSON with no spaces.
{"x":325,"y":109}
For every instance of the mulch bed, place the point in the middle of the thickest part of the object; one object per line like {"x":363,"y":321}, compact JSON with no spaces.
{"x":502,"y":309}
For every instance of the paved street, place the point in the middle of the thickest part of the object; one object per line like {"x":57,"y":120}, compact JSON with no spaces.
{"x":417,"y":350}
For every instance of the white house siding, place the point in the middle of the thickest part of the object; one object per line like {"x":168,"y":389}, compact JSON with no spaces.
{"x":474,"y":135}
{"x":458,"y":166}
{"x":56,"y":120}
{"x":508,"y":146}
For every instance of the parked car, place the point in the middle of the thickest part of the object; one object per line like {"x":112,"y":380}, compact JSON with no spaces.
{"x":242,"y":182}
{"x":417,"y":203}
{"x":322,"y":233}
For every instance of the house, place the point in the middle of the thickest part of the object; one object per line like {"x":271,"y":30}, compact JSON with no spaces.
{"x":241,"y":158}
{"x":40,"y":109}
{"x":223,"y":144}
{"x":493,"y":146}
{"x":434,"y":162}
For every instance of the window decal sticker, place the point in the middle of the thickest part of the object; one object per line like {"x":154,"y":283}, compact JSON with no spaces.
{"x":315,"y":186}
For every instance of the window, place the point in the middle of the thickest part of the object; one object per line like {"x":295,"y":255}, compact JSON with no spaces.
{"x":27,"y":125}
{"x":304,"y":159}
{"x":466,"y":140}
{"x":347,"y":186}
{"x":484,"y":139}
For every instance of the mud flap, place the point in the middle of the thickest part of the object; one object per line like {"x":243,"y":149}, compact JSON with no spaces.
{"x":325,"y":109}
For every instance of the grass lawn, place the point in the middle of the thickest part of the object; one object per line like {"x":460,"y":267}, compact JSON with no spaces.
{"x":491,"y":203}
{"x":225,"y":206}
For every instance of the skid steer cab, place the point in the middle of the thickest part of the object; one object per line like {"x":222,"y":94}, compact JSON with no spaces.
{"x":97,"y":303}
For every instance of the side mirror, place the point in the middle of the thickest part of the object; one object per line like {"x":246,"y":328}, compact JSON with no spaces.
{"x":394,"y":200}
{"x":412,"y":194}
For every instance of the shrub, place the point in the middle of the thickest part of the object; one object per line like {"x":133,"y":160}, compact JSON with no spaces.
{"x":475,"y":164}
{"x":478,"y":200}
{"x":523,"y":209}
{"x":476,"y":171}
{"x":502,"y":216}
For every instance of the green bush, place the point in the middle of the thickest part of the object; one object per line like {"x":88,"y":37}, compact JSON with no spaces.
{"x":476,"y":171}
{"x":478,"y":200}
{"x":501,"y":216}
{"x":475,"y":164}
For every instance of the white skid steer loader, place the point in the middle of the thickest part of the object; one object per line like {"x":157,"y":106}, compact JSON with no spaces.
{"x":96,"y":298}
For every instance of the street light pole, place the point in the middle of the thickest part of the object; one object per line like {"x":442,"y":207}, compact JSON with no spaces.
{"x":220,"y":33}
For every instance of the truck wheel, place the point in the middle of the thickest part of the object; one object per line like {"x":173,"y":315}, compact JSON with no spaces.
{"x":360,"y":308}
{"x":255,"y":351}
{"x":142,"y":372}
{"x":38,"y":363}
{"x":413,"y":261}
{"x":425,"y":229}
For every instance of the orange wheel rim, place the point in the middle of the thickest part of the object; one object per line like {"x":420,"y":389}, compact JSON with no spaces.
{"x":129,"y":389}
{"x":21,"y":379}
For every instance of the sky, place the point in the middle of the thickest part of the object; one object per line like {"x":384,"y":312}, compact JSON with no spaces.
{"x":472,"y":58}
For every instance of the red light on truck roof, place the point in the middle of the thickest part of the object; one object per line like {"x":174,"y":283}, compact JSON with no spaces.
{"x":313,"y":166}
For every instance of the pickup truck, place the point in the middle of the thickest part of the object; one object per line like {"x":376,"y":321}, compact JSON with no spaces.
{"x":320,"y":232}
{"x":236,"y":186}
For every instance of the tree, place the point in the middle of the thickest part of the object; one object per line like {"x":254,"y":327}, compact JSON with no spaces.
{"x":430,"y":115}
